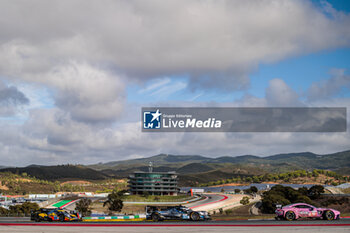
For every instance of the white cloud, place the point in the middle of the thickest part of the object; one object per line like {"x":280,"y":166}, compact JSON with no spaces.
{"x":217,"y":43}
{"x":330,"y":87}
{"x":279,"y":94}
{"x":169,"y":89}
{"x":196,"y":97}
{"x":157,"y":83}
{"x":11,"y":100}
{"x":83,"y":50}
{"x":51,"y":137}
{"x":89,"y":94}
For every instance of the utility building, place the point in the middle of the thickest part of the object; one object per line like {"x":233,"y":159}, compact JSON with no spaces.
{"x":153,"y":183}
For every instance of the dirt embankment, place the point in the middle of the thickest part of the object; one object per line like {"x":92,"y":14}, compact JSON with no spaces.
{"x":23,"y":180}
{"x":76,"y":182}
{"x":4,"y":187}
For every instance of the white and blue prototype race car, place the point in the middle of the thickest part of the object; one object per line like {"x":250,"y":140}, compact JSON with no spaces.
{"x":175,"y":213}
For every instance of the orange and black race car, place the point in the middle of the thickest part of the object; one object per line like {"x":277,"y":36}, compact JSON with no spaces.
{"x":55,"y":215}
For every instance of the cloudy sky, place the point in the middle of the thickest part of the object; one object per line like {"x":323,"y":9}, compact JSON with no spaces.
{"x":75,"y":74}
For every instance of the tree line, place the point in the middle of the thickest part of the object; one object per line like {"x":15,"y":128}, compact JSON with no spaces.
{"x":285,"y":195}
{"x":335,"y":178}
{"x":19,"y":210}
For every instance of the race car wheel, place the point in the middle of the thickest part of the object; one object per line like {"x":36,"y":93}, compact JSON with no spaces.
{"x":290,"y":216}
{"x":155,"y":217}
{"x":37,"y":219}
{"x":194,"y":216}
{"x":328,"y":215}
{"x":61,"y":218}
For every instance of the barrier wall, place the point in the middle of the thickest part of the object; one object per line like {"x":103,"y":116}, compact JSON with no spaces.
{"x":139,"y":217}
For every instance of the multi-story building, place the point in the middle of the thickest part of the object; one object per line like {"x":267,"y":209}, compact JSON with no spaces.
{"x":154,"y":183}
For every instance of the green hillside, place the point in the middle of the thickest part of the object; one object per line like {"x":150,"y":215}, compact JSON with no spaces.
{"x":276,"y":163}
{"x":195,"y":169}
{"x":58,"y":172}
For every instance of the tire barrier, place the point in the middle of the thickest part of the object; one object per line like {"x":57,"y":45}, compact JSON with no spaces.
{"x":140,"y":217}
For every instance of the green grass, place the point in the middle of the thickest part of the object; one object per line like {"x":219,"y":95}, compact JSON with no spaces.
{"x":150,"y":198}
{"x":61,"y":203}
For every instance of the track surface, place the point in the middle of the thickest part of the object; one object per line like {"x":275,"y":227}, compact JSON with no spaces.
{"x":208,"y":199}
{"x":27,"y":222}
{"x":13,"y":224}
{"x":258,"y":226}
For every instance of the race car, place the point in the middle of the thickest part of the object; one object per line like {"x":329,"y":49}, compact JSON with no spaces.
{"x":55,"y":215}
{"x":303,"y":210}
{"x":175,"y":213}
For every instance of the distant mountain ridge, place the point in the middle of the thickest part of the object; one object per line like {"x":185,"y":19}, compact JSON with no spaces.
{"x":161,"y":159}
{"x":196,"y":169}
{"x":58,"y":172}
{"x":193,"y":169}
{"x":302,"y":160}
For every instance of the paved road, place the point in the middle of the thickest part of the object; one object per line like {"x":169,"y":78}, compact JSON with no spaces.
{"x":26,"y":221}
{"x":265,"y":226}
{"x":214,"y":202}
{"x":208,"y":199}
{"x":33,"y":229}
{"x":14,"y":219}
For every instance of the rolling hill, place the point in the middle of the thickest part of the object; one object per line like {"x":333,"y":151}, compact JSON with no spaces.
{"x":194,"y":169}
{"x":58,"y":172}
{"x":339,"y":161}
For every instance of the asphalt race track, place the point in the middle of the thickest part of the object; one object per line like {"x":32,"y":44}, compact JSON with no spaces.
{"x":26,"y":222}
{"x":208,"y":199}
{"x":24,"y":225}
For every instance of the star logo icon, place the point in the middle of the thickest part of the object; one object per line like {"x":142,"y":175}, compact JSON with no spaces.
{"x":156,"y":115}
{"x":152,"y":119}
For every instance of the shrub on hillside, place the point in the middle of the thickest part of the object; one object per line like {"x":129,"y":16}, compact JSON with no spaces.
{"x":237,"y":191}
{"x":286,"y":195}
{"x":25,"y":208}
{"x":83,"y":206}
{"x":251,"y":190}
{"x":17,"y":210}
{"x":244,"y":201}
{"x":114,"y":201}
{"x":269,"y":202}
{"x":3,"y":211}
{"x":315,"y":191}
{"x":254,"y":189}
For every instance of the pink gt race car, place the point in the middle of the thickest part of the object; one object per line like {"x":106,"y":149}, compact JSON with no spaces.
{"x":303,"y":210}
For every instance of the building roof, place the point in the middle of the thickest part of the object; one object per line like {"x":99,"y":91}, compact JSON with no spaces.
{"x":170,"y":172}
